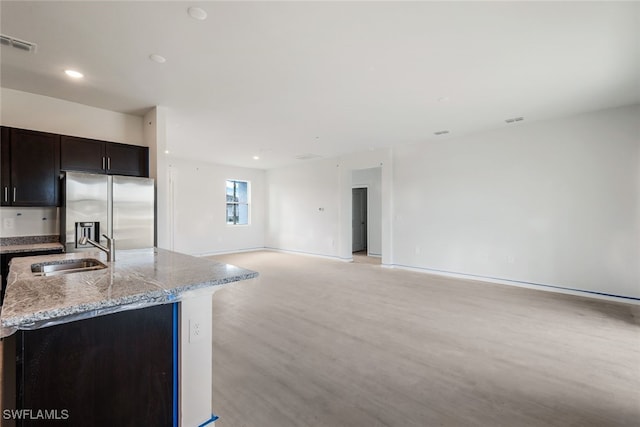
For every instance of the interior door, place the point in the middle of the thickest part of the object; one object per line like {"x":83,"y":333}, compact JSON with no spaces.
{"x":359,"y":219}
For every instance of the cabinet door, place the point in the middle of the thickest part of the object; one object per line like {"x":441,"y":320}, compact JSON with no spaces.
{"x":5,"y":167}
{"x":113,"y":370}
{"x":123,"y":159}
{"x":82,"y":154}
{"x":35,"y":165}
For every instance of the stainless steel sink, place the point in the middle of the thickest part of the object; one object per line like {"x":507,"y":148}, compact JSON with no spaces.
{"x":66,"y":266}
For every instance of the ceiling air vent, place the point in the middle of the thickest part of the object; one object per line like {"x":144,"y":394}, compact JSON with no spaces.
{"x":18,"y":44}
{"x":307,"y":156}
{"x":515,"y":119}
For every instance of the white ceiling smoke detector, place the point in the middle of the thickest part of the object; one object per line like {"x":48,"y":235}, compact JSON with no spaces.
{"x":18,"y":44}
{"x":197,"y":13}
{"x":157,"y":58}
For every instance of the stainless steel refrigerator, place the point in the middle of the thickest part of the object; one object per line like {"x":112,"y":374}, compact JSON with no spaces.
{"x":122,"y":207}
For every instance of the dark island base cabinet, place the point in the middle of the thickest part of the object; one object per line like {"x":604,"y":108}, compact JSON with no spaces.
{"x":89,"y":155}
{"x":113,"y":370}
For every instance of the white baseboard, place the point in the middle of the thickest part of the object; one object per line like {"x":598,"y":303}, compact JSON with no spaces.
{"x":521,"y":284}
{"x":235,"y":251}
{"x":331,"y":257}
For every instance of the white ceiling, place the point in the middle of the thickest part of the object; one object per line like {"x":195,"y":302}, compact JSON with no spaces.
{"x":281,"y":79}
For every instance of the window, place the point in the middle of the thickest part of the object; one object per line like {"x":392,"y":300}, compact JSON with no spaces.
{"x":238,"y":202}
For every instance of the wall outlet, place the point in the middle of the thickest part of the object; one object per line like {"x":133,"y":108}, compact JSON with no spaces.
{"x":196,"y":330}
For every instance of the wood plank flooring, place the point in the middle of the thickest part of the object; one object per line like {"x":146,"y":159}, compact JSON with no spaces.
{"x":315,"y":342}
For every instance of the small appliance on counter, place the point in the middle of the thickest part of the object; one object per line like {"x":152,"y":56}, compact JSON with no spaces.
{"x":121,"y":207}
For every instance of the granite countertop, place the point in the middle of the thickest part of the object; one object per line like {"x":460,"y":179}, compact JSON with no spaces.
{"x":31,"y":247}
{"x":138,"y":278}
{"x":11,"y":245}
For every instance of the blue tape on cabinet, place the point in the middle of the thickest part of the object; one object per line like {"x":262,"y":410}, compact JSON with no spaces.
{"x":209,"y":421}
{"x":176,"y":341}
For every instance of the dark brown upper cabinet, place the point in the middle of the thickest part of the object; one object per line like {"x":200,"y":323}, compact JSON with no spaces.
{"x":30,"y":168}
{"x":5,"y":166}
{"x":123,"y":159}
{"x":90,"y":155}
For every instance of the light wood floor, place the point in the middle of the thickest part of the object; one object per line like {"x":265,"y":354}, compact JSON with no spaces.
{"x":315,"y":342}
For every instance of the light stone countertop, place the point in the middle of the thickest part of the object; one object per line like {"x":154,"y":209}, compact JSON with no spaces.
{"x":138,"y":278}
{"x":30,"y":247}
{"x":17,"y":244}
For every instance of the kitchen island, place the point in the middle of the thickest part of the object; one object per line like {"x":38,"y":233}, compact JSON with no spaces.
{"x":129,"y":344}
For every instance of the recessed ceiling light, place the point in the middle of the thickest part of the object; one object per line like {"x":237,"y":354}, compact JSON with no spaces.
{"x":197,"y":13}
{"x":157,"y":58}
{"x":256,"y":157}
{"x":74,"y":74}
{"x":166,"y":151}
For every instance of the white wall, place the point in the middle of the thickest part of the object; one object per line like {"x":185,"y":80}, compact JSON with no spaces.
{"x":29,"y":111}
{"x":155,"y":134}
{"x":198,"y":204}
{"x":28,"y":222}
{"x":42,"y":113}
{"x":303,"y":207}
{"x":553,"y":203}
{"x":372,"y":179}
{"x":310,"y":205}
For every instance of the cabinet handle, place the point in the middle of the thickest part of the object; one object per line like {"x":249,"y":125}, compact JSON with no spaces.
{"x":104,"y":167}
{"x":108,"y":163}
{"x":14,"y":194}
{"x":6,"y":194}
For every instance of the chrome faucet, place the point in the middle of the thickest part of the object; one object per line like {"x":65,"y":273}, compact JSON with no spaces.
{"x":110,"y":249}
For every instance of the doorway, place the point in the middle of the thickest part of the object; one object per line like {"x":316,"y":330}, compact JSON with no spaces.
{"x":359,"y":220}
